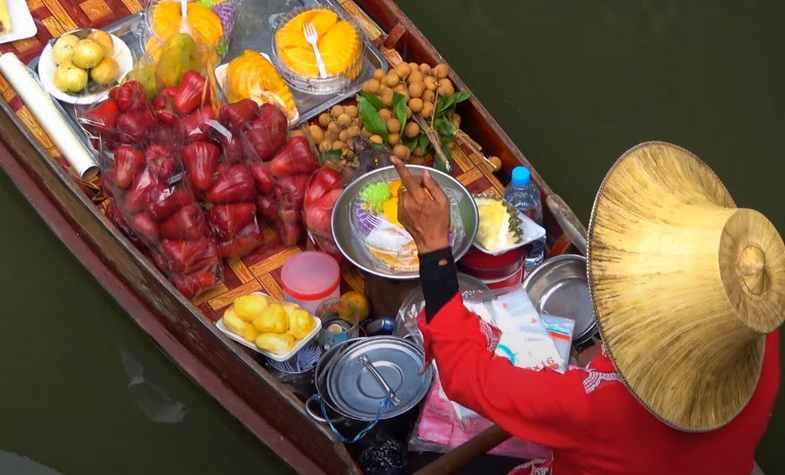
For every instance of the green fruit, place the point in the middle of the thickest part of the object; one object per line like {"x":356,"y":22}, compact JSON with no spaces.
{"x":144,"y":73}
{"x":177,"y":57}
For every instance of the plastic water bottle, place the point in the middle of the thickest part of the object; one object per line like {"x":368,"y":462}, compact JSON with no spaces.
{"x":524,"y":195}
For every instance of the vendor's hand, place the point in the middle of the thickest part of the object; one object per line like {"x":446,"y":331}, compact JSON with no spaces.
{"x":423,"y":210}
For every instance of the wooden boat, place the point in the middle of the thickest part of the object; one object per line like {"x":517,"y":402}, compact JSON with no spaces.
{"x":265,"y":406}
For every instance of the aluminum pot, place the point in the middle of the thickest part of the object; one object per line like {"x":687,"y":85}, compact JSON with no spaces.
{"x":559,"y":287}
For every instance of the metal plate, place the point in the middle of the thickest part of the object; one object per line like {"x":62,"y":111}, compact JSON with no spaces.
{"x":358,"y":394}
{"x":354,"y":250}
{"x":559,"y":287}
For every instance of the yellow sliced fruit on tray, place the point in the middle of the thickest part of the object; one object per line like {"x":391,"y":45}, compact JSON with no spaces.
{"x":339,"y":44}
{"x":204,"y":22}
{"x":252,"y":76}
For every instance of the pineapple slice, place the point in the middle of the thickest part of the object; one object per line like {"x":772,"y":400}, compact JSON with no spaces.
{"x":5,"y":17}
{"x":499,"y":226}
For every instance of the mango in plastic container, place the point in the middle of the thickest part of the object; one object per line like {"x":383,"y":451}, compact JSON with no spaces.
{"x":250,"y":307}
{"x":275,"y":342}
{"x":238,"y":326}
{"x":272,"y":320}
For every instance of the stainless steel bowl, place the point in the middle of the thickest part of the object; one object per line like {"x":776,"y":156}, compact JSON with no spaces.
{"x":559,"y":287}
{"x":352,"y":248}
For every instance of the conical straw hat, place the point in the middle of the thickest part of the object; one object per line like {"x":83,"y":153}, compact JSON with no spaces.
{"x":685,"y":286}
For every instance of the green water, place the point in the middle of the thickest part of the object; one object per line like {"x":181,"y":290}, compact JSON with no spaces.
{"x":573,"y":82}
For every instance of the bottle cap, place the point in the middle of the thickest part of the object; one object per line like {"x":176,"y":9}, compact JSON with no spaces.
{"x":520,"y":176}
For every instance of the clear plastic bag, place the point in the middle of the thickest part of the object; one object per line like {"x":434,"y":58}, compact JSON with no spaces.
{"x":212,"y":21}
{"x":140,"y":159}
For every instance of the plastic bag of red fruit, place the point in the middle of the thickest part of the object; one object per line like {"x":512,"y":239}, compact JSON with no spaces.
{"x":141,"y":145}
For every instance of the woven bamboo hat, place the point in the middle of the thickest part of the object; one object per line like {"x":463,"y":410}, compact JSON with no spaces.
{"x":685,"y":286}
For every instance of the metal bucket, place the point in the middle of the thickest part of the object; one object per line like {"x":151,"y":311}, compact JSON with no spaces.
{"x":559,"y":287}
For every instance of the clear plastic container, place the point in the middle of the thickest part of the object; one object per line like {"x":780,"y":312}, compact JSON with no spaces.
{"x":332,"y":83}
{"x":310,"y":278}
{"x":524,"y":195}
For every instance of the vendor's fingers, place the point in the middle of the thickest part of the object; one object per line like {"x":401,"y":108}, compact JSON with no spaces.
{"x":412,"y":183}
{"x":433,"y":188}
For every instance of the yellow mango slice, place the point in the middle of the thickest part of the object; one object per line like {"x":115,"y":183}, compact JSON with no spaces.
{"x":300,"y":323}
{"x":205,"y":24}
{"x":252,"y":76}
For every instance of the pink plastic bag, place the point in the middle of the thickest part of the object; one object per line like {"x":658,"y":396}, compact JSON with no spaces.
{"x":438,"y":430}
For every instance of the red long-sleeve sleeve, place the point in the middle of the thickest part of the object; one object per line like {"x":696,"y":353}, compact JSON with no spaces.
{"x":544,"y":407}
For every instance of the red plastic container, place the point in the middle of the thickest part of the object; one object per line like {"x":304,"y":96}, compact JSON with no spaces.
{"x":505,"y":270}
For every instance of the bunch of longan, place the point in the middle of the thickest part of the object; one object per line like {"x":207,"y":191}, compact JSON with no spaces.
{"x":335,"y":129}
{"x":420,"y":85}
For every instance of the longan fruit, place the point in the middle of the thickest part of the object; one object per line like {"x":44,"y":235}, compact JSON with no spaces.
{"x":401,"y":89}
{"x":336,"y":111}
{"x":408,"y":112}
{"x":377,"y":139}
{"x":445,"y":88}
{"x":441,"y":71}
{"x":344,"y":120}
{"x":330,"y":136}
{"x":425,"y":68}
{"x":353,"y":131}
{"x":415,"y":104}
{"x":411,"y":130}
{"x":392,"y":79}
{"x":343,"y":136}
{"x":430,"y":83}
{"x":414,"y":67}
{"x":419,"y":151}
{"x":496,"y":162}
{"x":455,"y":119}
{"x":427,"y":109}
{"x":378,"y":74}
{"x":429,"y":96}
{"x":325,"y":146}
{"x":351,"y":110}
{"x":338,"y":145}
{"x":416,"y":77}
{"x":403,"y":70}
{"x":332,"y":127}
{"x":385,"y":114}
{"x":416,"y":89}
{"x":393,"y":126}
{"x":387,"y":99}
{"x":384,"y":90}
{"x":371,"y":86}
{"x":324,"y":119}
{"x":394,"y":139}
{"x":356,"y":121}
{"x":317,"y":134}
{"x":401,"y":151}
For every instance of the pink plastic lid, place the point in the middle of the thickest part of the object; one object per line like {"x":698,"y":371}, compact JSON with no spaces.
{"x":310,"y":275}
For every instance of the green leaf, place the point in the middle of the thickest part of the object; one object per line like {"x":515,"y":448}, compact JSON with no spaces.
{"x":399,"y":109}
{"x":330,"y":156}
{"x":374,"y":100}
{"x":411,"y":143}
{"x":444,"y":127}
{"x":423,"y":141}
{"x":370,"y":117}
{"x":446,"y":103}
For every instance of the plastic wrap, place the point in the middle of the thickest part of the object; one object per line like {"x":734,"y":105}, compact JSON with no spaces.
{"x":323,"y":190}
{"x":374,"y":214}
{"x":140,"y":159}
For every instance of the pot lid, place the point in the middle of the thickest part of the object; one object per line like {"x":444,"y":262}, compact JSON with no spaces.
{"x":379,"y":376}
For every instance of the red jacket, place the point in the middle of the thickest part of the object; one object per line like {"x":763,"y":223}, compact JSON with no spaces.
{"x":594,"y":425}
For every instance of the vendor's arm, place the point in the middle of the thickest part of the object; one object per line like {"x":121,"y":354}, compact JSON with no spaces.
{"x":544,"y":407}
